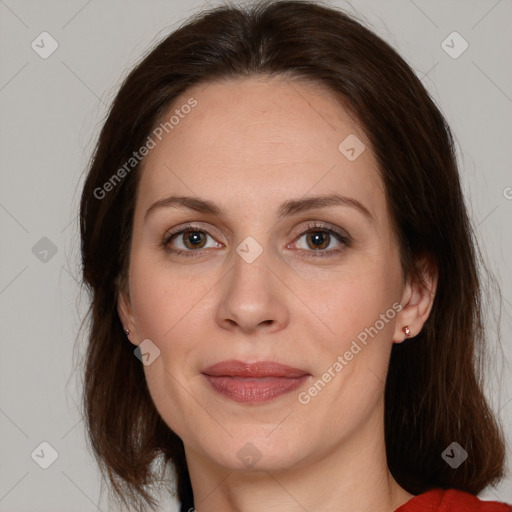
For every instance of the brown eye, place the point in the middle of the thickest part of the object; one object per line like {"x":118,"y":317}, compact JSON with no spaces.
{"x":188,"y":241}
{"x":318,"y":239}
{"x":193,"y":239}
{"x":321,"y":240}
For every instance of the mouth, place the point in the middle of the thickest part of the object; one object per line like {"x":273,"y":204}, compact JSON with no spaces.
{"x":254,"y":382}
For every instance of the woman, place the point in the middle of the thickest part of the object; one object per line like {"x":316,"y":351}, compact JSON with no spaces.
{"x":285,"y":297}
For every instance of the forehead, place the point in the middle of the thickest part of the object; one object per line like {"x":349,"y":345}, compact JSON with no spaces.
{"x":261,"y":140}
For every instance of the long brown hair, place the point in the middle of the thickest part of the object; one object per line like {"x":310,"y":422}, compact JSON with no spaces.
{"x":433,"y":391}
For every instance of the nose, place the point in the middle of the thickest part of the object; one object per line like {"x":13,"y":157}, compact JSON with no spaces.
{"x":252,"y":295}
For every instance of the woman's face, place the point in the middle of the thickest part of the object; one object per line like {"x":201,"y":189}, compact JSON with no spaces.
{"x":266,"y":274}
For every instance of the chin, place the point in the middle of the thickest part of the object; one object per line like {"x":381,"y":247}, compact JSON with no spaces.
{"x":255,"y":448}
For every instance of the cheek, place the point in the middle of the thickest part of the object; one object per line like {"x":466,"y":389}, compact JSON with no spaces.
{"x":163,"y":307}
{"x":160,"y":298}
{"x":357,"y":302}
{"x":352,"y":361}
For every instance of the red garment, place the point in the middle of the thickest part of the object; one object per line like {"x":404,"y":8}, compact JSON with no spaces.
{"x":451,"y":500}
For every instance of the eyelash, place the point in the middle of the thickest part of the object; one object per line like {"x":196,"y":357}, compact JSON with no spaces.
{"x":311,"y":228}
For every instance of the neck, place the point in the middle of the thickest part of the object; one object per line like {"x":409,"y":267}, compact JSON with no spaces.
{"x":352,"y":476}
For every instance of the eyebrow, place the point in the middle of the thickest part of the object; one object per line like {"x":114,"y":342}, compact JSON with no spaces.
{"x":288,"y":208}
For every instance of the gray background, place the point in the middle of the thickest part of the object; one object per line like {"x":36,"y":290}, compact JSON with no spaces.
{"x":51,"y":112}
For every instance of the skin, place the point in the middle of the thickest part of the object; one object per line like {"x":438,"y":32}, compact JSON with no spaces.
{"x":248,"y":146}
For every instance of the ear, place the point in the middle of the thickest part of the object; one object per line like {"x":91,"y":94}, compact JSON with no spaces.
{"x":125,"y":312}
{"x":417,"y":300}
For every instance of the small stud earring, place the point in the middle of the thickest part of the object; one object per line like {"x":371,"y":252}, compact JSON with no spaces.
{"x":406,"y":331}
{"x":127,"y":331}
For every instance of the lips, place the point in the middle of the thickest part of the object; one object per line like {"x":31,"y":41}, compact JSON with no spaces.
{"x":254,"y":382}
